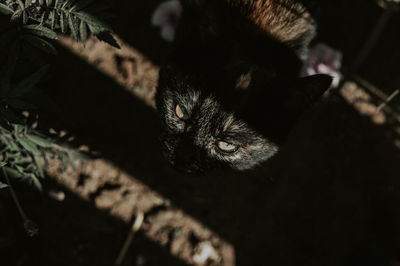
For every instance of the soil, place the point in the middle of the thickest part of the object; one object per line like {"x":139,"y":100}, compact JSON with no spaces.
{"x":330,"y":197}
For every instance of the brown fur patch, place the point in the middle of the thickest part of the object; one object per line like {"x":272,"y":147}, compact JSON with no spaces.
{"x":284,"y":20}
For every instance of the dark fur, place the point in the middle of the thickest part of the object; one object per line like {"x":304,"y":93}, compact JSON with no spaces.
{"x":234,"y":69}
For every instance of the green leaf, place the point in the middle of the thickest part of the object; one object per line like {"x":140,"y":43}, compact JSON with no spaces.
{"x":39,"y":167}
{"x":36,"y":182}
{"x":52,"y":17}
{"x":83,"y":32}
{"x":24,"y":17}
{"x":42,"y":142}
{"x":5,"y":9}
{"x":44,"y":17}
{"x":96,"y":26}
{"x":29,"y":82}
{"x":108,"y":38}
{"x":13,"y":173}
{"x":2,"y":185}
{"x":34,"y":125}
{"x":22,"y":160}
{"x":62,"y":22}
{"x":41,"y":31}
{"x":46,"y":162}
{"x":28,"y":145}
{"x":19,"y":128}
{"x":13,"y":155}
{"x":40,"y":43}
{"x":65,"y":4}
{"x":72,"y":26}
{"x":71,"y":8}
{"x":72,"y":162}
{"x":64,"y":161}
{"x":28,"y":3}
{"x":10,"y":144}
{"x":17,"y":14}
{"x":21,"y":170}
{"x":2,"y":164}
{"x":21,"y":4}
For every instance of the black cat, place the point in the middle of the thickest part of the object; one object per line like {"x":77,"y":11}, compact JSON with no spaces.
{"x":230,"y":92}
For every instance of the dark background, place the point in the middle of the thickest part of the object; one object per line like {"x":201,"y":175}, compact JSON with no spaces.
{"x":335,"y":194}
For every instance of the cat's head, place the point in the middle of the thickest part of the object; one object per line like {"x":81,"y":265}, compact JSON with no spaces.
{"x":237,"y":122}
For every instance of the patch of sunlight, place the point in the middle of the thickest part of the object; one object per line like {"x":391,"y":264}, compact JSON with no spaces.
{"x":124,"y":197}
{"x":371,"y":101}
{"x":121,"y":195}
{"x":126,"y":66}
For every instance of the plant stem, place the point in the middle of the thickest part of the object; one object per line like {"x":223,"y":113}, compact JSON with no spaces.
{"x":30,"y":226}
{"x":14,"y":196}
{"x":374,"y":36}
{"x":135,"y":227}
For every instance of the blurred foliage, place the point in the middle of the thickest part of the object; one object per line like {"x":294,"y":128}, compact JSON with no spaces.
{"x":27,"y":29}
{"x":41,"y":18}
{"x":24,"y":152}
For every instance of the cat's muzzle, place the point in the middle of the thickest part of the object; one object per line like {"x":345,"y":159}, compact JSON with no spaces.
{"x":183,"y":157}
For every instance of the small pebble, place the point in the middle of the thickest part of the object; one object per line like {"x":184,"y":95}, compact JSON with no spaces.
{"x":57,"y":195}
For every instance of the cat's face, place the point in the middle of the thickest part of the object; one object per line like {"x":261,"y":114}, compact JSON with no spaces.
{"x":202,"y":130}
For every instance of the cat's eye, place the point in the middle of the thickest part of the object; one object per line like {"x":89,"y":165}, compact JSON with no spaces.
{"x":181,"y":112}
{"x":227,"y":147}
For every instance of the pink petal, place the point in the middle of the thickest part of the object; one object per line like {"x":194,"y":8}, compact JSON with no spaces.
{"x":168,"y":33}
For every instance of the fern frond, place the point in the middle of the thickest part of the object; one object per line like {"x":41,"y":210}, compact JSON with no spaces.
{"x":67,"y":16}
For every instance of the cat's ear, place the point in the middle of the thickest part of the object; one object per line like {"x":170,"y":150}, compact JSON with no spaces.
{"x":304,"y":92}
{"x":308,"y":90}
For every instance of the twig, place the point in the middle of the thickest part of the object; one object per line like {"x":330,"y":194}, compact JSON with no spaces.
{"x":388,"y":99}
{"x":30,"y":226}
{"x":135,"y":227}
{"x":14,"y":196}
{"x":374,"y":36}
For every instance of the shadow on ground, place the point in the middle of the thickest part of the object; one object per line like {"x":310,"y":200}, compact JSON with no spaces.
{"x":333,"y":202}
{"x":71,"y":232}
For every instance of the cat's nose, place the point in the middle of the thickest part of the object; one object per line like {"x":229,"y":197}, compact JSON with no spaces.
{"x":184,"y":169}
{"x":187,"y":158}
{"x":186,"y":155}
{"x":189,"y":169}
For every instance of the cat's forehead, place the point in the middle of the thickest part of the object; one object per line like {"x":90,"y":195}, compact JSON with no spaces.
{"x":187,"y":94}
{"x":209,"y":106}
{"x":231,"y":123}
{"x":212,"y":113}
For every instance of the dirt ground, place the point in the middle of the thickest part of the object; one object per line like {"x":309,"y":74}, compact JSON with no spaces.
{"x":330,"y":197}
